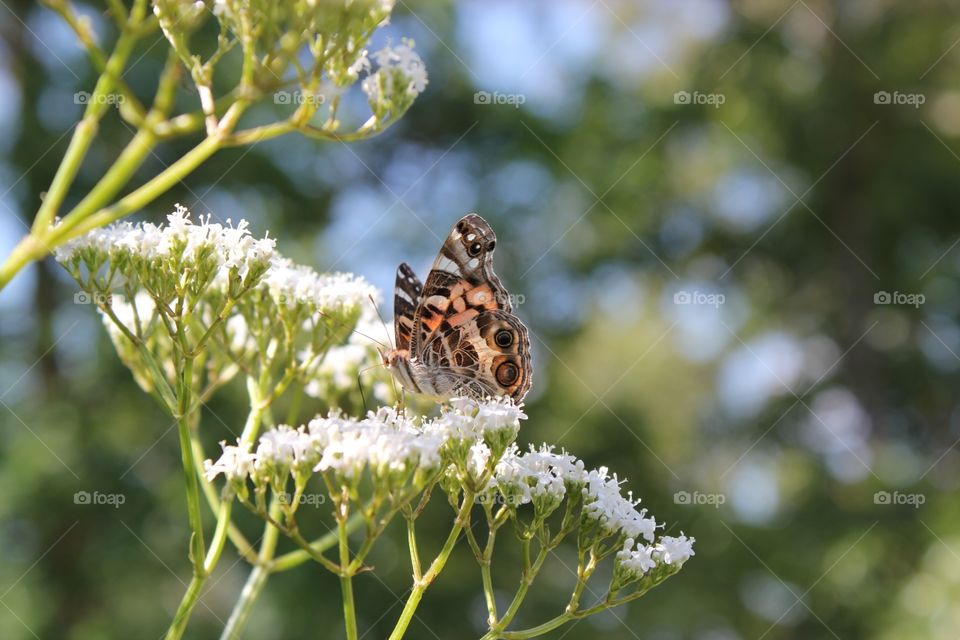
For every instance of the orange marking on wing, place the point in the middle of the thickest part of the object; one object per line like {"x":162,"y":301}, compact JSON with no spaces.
{"x":482,"y":295}
{"x":462,"y":317}
{"x":431,"y":321}
{"x":459,"y":304}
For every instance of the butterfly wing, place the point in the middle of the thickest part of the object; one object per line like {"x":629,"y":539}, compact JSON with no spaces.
{"x":406,"y":300}
{"x":485,"y":355}
{"x":461,"y":282}
{"x":464,"y":332}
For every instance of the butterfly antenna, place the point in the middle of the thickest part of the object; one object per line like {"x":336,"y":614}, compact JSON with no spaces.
{"x":377,"y":309}
{"x":359,"y":333}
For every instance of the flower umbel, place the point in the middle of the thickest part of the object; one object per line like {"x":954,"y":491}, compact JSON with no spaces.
{"x":387,"y":464}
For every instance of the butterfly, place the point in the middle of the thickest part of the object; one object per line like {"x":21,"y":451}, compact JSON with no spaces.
{"x":457,"y":335}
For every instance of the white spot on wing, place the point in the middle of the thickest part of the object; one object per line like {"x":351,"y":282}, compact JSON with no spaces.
{"x":446,"y":264}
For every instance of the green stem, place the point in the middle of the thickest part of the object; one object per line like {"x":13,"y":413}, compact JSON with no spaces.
{"x":526,"y":579}
{"x":197,"y":547}
{"x":296,"y":558}
{"x":208,"y":563}
{"x":27,"y":250}
{"x":420,"y":586}
{"x":538,"y":630}
{"x":74,"y":225}
{"x":241,"y":610}
{"x":414,"y":553}
{"x":255,"y":581}
{"x":86,"y":129}
{"x":346,"y":579}
{"x":192,"y":595}
{"x":243,"y":546}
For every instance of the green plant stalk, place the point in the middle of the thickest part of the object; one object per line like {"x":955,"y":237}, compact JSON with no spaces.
{"x":420,"y":586}
{"x":568,"y":616}
{"x":136,"y":151}
{"x":414,"y":553}
{"x":529,"y":574}
{"x":74,"y":225}
{"x":197,"y":547}
{"x":86,"y":129}
{"x":256,"y":580}
{"x":296,"y":558}
{"x":208,"y":563}
{"x":240,"y":542}
{"x":43,"y":240}
{"x":189,"y":600}
{"x":346,"y":579}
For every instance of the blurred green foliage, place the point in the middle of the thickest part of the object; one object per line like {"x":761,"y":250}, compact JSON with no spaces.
{"x":799,"y":199}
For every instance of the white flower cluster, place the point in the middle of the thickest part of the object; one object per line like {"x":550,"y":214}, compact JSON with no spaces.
{"x":290,"y":284}
{"x":543,"y":477}
{"x":226,"y":246}
{"x":388,"y":443}
{"x":400,"y":73}
{"x":473,"y":420}
{"x":615,"y":513}
{"x":635,"y":559}
{"x":236,"y":463}
{"x":385,"y":442}
{"x":539,"y":474}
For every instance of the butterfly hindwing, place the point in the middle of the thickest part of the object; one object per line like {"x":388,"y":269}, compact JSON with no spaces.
{"x":488,"y":355}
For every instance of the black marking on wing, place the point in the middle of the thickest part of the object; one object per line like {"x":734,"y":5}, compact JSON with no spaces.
{"x":406,"y":300}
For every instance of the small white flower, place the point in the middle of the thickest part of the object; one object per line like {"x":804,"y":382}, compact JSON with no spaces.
{"x":401,"y":74}
{"x":635,"y":560}
{"x":499,"y":413}
{"x":604,"y":503}
{"x":673,"y":550}
{"x":235,"y":463}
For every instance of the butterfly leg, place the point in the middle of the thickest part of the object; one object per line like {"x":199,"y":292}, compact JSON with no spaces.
{"x":363,"y":398}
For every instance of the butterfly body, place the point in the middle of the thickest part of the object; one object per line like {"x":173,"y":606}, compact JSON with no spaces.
{"x":456,"y":334}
